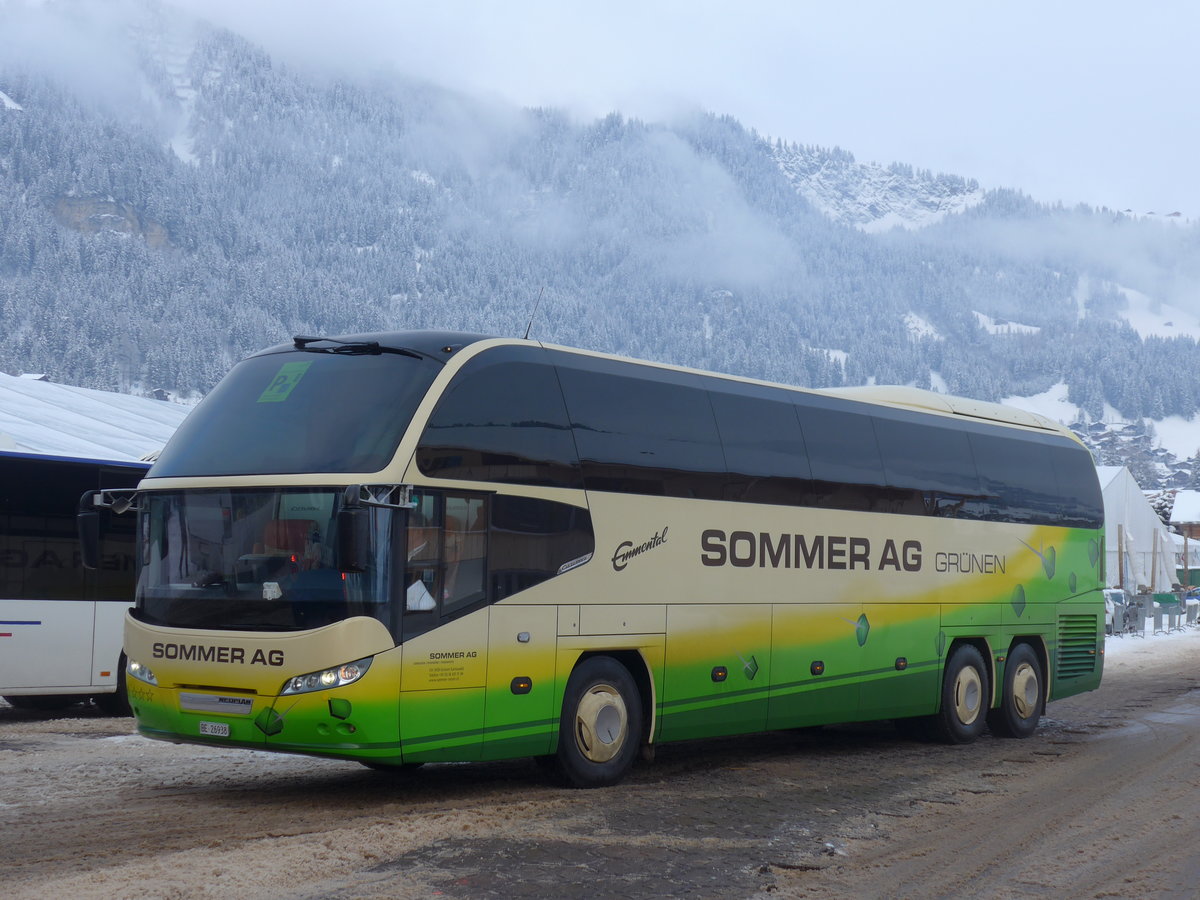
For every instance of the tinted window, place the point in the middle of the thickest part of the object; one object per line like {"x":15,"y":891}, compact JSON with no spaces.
{"x":644,"y":431}
{"x":764,"y":449}
{"x":925,"y":456}
{"x":39,"y":544}
{"x":1017,"y":476}
{"x":846,"y":469}
{"x":1078,"y":486}
{"x":533,"y":540}
{"x":502,"y":419}
{"x":298,"y":412}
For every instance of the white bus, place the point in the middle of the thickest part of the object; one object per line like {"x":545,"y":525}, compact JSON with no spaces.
{"x":61,"y":624}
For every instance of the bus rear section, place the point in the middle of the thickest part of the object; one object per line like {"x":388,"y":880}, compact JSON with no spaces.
{"x":61,"y":623}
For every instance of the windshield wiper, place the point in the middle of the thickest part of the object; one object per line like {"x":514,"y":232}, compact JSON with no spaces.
{"x":350,"y":348}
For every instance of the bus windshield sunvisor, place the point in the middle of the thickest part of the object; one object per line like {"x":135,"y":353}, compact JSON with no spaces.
{"x":293,"y":413}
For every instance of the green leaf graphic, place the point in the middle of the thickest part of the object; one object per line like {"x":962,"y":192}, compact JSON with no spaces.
{"x":1018,"y":600}
{"x":862,"y":629}
{"x":339,"y":708}
{"x":269,"y":722}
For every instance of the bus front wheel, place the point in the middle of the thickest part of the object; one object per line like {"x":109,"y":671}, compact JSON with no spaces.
{"x":117,"y":703}
{"x":1021,"y":704}
{"x":963,"y":713}
{"x":601,"y":724}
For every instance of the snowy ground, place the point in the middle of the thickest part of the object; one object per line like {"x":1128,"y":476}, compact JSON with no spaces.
{"x":90,"y":810}
{"x":1183,"y":644}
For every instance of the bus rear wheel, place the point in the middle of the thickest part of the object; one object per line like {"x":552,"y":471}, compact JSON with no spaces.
{"x":1021,"y":704}
{"x":601,"y":724}
{"x":963,"y":713}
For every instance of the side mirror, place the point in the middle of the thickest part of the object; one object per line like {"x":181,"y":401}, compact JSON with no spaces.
{"x":87,"y":520}
{"x":353,"y":539}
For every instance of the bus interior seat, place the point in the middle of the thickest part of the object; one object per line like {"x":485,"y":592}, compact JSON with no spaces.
{"x":286,"y":537}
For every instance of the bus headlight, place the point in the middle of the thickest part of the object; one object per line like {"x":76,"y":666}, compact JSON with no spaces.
{"x":339,"y":676}
{"x":140,"y":672}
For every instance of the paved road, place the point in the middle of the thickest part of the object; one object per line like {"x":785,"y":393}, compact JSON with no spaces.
{"x":1100,"y":803}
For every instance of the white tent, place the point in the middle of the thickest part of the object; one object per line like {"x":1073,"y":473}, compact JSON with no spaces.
{"x":1140,"y":550}
{"x":61,"y":420}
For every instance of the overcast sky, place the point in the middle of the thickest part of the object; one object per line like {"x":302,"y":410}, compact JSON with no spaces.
{"x":1076,"y":100}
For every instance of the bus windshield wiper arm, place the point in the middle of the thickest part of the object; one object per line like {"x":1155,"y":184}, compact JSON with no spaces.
{"x":347,"y":347}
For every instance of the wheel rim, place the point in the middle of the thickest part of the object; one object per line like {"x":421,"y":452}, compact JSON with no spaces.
{"x":968,"y":695}
{"x":1026,"y":691}
{"x":601,"y":723}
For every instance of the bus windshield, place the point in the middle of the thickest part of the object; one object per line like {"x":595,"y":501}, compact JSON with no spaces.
{"x":258,"y":560}
{"x":298,"y":412}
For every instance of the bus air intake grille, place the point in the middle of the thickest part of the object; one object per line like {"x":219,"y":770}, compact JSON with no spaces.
{"x":1076,"y":645}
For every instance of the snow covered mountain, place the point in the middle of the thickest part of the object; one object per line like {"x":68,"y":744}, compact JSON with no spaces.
{"x":172,"y":199}
{"x":871,"y":197}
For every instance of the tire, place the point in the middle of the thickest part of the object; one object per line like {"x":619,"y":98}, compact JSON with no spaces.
{"x":963,"y":714}
{"x":1024,"y":695}
{"x":116,"y":704}
{"x":601,"y":725}
{"x":43,"y":702}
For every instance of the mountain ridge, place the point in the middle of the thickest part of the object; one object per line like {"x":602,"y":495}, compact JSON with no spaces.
{"x":211,"y":201}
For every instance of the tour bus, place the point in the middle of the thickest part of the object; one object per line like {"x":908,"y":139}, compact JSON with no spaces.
{"x":60,"y":624}
{"x":423,"y":546}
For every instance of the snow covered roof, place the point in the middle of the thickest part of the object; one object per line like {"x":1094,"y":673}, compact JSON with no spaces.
{"x":58,"y":419}
{"x":1186,"y":510}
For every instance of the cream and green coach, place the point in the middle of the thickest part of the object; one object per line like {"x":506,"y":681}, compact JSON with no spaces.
{"x":422,"y":546}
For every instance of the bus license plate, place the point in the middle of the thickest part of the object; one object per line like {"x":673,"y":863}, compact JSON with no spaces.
{"x":215,"y":729}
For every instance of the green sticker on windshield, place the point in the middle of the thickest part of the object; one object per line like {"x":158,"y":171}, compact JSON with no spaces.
{"x":284,"y":382}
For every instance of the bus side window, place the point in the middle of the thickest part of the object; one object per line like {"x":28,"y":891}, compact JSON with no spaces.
{"x":466,"y":551}
{"x":447,"y":553}
{"x":424,"y":554}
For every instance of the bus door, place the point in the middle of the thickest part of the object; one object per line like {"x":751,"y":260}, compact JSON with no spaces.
{"x":521,"y":719}
{"x":444,"y":627}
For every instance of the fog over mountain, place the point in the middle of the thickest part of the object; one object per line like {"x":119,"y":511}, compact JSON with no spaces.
{"x":172,"y":199}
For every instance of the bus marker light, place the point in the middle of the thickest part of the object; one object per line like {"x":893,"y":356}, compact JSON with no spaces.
{"x":719,"y":674}
{"x":817,"y":668}
{"x":901,"y":663}
{"x":522,"y":685}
